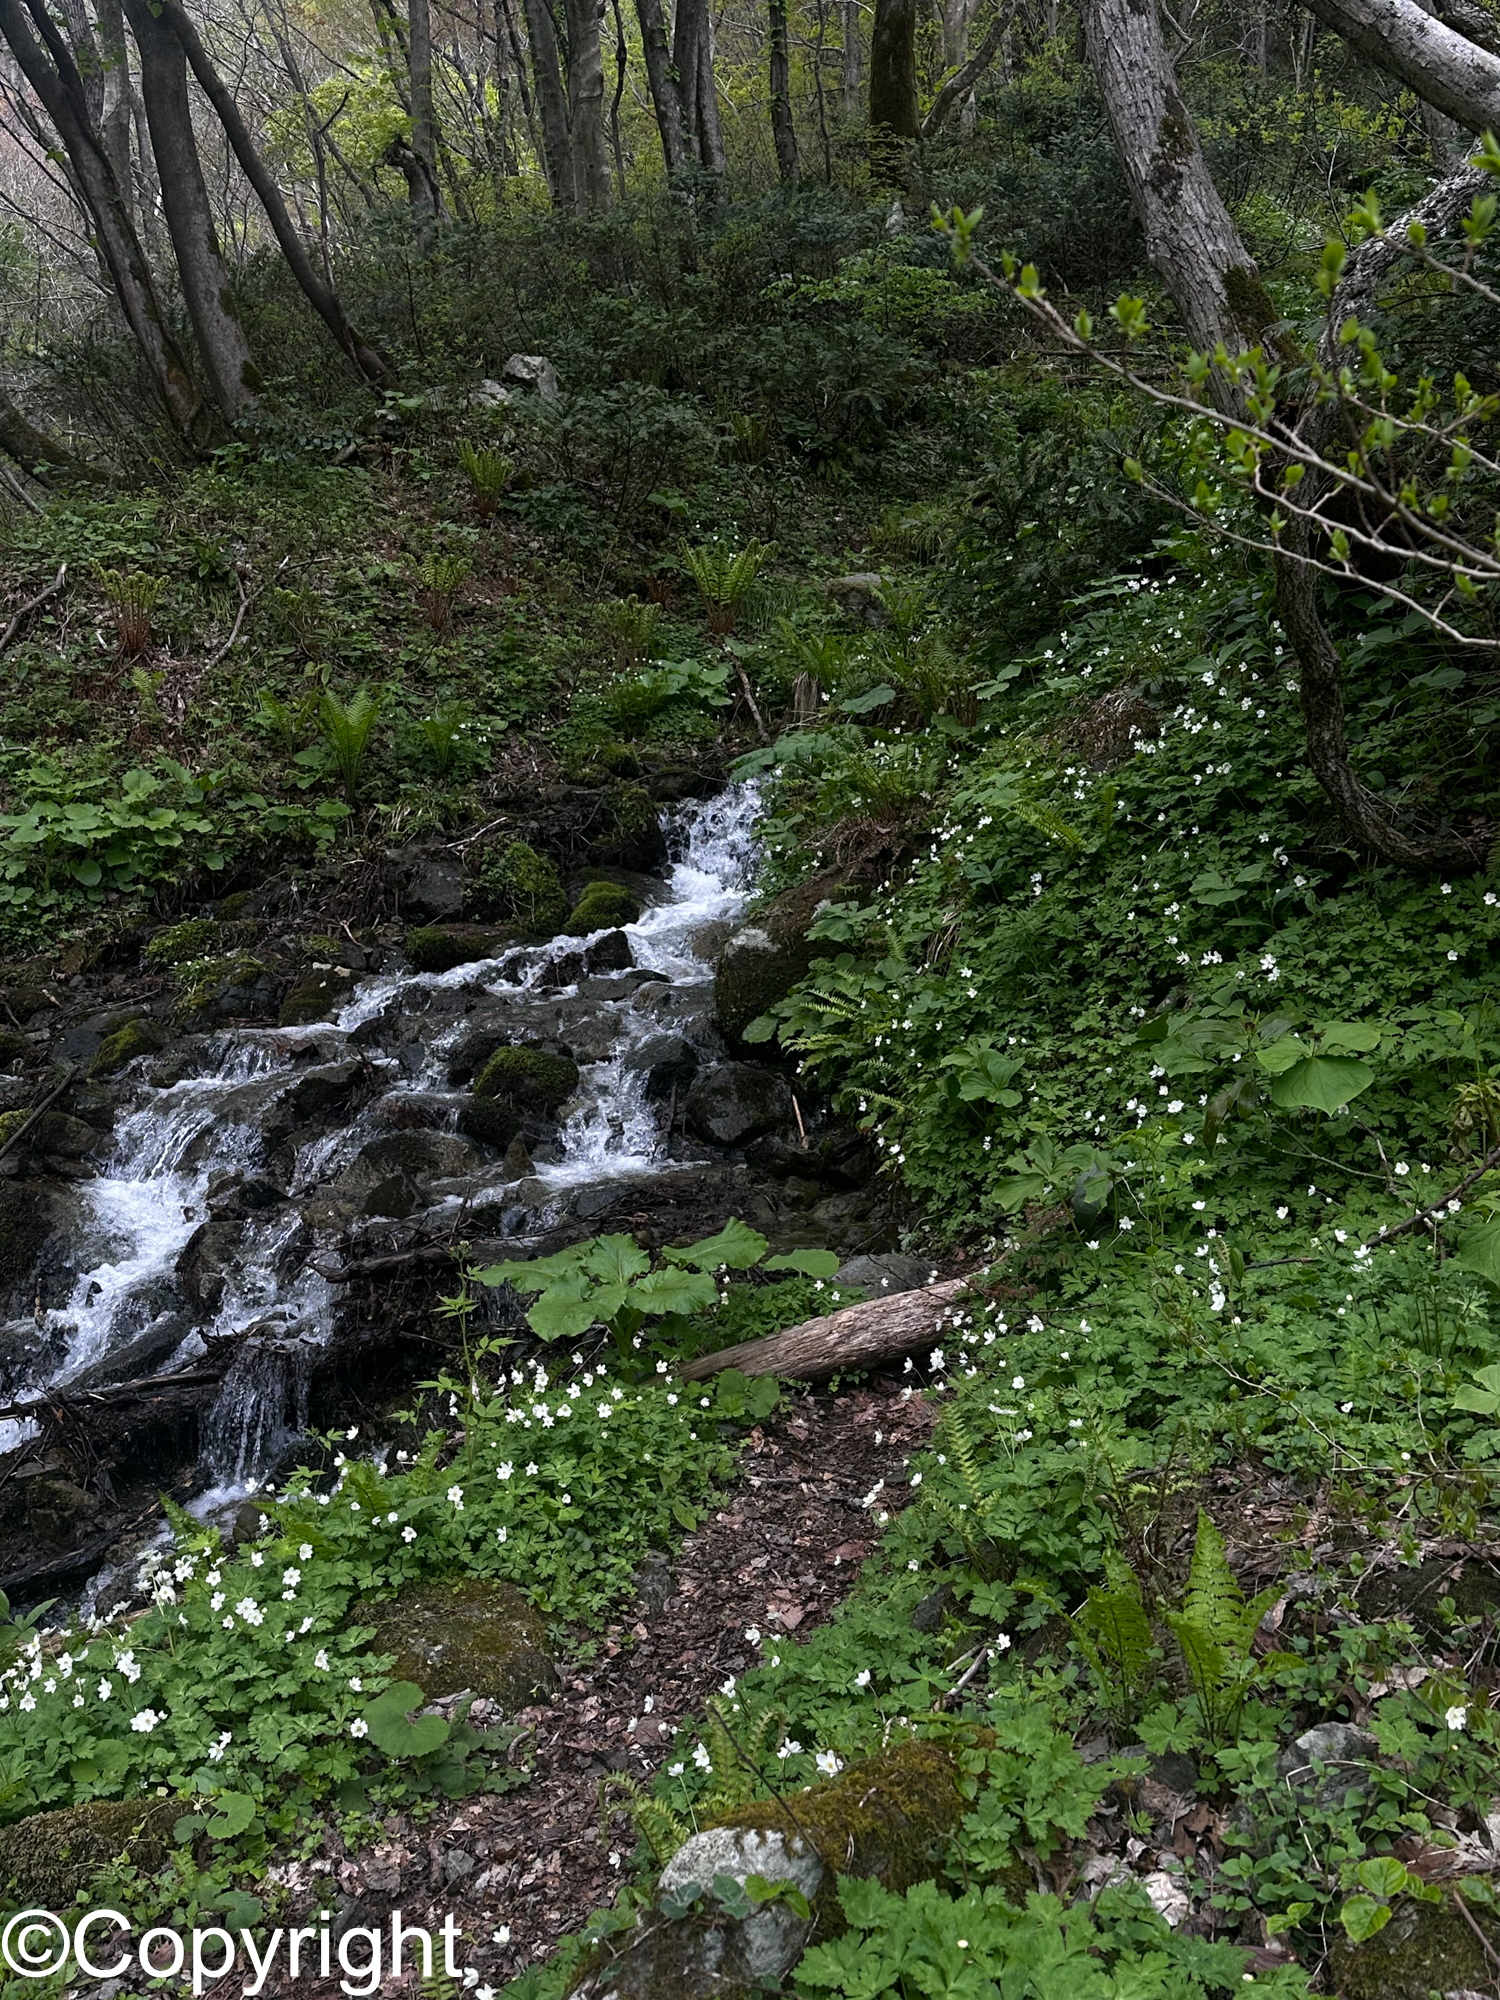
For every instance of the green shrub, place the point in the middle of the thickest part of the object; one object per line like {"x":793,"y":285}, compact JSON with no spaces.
{"x":602,"y":906}
{"x":528,"y":1079}
{"x":183,"y":942}
{"x":524,"y":886}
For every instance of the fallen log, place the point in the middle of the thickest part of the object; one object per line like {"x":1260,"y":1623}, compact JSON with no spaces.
{"x":63,"y":1401}
{"x":857,"y":1337}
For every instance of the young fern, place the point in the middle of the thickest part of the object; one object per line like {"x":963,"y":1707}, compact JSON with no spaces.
{"x":724,"y":576}
{"x":1215,"y":1630}
{"x":488,"y":473}
{"x":347,"y":731}
{"x":1114,"y":1634}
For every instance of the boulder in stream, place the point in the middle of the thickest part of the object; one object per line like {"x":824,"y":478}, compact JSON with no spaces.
{"x":736,"y":1103}
{"x":767,"y":957}
{"x":528,"y":1079}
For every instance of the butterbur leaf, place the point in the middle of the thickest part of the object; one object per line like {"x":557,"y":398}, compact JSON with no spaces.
{"x":810,"y":1263}
{"x":392,"y":1731}
{"x":560,"y":1318}
{"x":737,"y":1246}
{"x":617,"y":1259}
{"x":1479,"y":1251}
{"x":674,"y":1291}
{"x":1321,"y":1083}
{"x":234,"y":1814}
{"x":1349,"y":1037}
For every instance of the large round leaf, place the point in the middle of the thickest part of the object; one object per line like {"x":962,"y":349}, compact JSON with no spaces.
{"x":392,"y":1731}
{"x":1321,"y":1083}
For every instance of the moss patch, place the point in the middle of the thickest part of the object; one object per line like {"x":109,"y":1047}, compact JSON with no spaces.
{"x":433,"y":948}
{"x":48,"y":1858}
{"x":179,"y":944}
{"x":522,"y":885}
{"x":11,"y":1123}
{"x":491,"y":1123}
{"x":476,"y":1637}
{"x":1425,"y":1948}
{"x":527,"y":1079}
{"x":136,"y":1038}
{"x":316,"y":998}
{"x":603,"y":906}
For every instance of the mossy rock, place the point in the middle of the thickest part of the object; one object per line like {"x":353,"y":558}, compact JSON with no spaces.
{"x":474,"y":1636}
{"x":524,"y":886}
{"x":433,"y":948}
{"x":772,"y":953}
{"x":49,"y":1857}
{"x":528,"y":1079}
{"x":14,"y":1049}
{"x":214,"y":988}
{"x":318,"y":997}
{"x":181,"y":943}
{"x":11,"y":1123}
{"x":488,"y":1122}
{"x":631,"y":834}
{"x":136,"y":1038}
{"x":232,"y":908}
{"x":1426,"y":1948}
{"x":603,"y":906}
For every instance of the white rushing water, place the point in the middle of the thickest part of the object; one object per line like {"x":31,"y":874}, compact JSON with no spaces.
{"x":138,"y":1215}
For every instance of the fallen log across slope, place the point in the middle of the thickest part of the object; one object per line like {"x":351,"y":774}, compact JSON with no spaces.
{"x":857,"y":1337}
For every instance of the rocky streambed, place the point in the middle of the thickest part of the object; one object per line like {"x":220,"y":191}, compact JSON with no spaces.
{"x":224,"y":1232}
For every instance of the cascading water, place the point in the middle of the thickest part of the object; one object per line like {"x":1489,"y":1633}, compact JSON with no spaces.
{"x":128,"y":1312}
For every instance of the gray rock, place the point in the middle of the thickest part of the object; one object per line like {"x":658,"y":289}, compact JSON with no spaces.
{"x":666,"y":1062}
{"x":433,"y":886}
{"x":1329,"y":1760}
{"x":858,"y":597}
{"x":766,"y":1945}
{"x":533,"y":371}
{"x":884,"y":1276}
{"x":736,"y":1103}
{"x":487,"y":395}
{"x":610,"y":953}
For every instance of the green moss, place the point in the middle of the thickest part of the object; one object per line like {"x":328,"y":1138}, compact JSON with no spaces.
{"x":136,"y":1038}
{"x":527,"y":1079}
{"x":490,"y":1123}
{"x":234,"y":907}
{"x":474,"y":1636}
{"x":182,"y":943}
{"x":602,"y":906}
{"x":524,"y":886}
{"x":11,"y":1123}
{"x":320,"y":949}
{"x":49,"y":1857}
{"x":316,"y":998}
{"x":1426,"y":1948}
{"x":202,"y":981}
{"x":431,"y":948}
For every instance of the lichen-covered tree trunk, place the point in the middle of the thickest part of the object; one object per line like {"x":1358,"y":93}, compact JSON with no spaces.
{"x":48,"y":66}
{"x":693,"y":54}
{"x":422,"y":181}
{"x":783,"y":131}
{"x":593,"y":190}
{"x":551,"y":102}
{"x":114,"y":127}
{"x":666,"y":97}
{"x":1443,"y":65}
{"x":222,"y":346}
{"x":852,"y":60}
{"x":1190,"y":236}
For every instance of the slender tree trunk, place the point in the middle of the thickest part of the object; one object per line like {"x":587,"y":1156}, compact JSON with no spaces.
{"x":955,"y":22}
{"x":321,"y":296}
{"x":893,"y":87}
{"x":422,"y":185}
{"x":222,"y":346}
{"x":1456,"y":75}
{"x":783,"y":131}
{"x":666,"y":97}
{"x":693,"y":54}
{"x":959,"y":89}
{"x":1190,"y":236}
{"x":593,"y":191}
{"x":53,"y":75}
{"x":852,"y":65}
{"x":114,"y":129}
{"x":552,"y":103}
{"x":710,"y":130}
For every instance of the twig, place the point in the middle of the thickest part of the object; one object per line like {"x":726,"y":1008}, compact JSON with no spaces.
{"x":32,"y":604}
{"x":750,"y":702}
{"x":19,"y":490}
{"x":52,"y":1095}
{"x":1468,"y":1916}
{"x":983,"y":1655}
{"x":246,"y":600}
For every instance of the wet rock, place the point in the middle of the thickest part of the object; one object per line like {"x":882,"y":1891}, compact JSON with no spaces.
{"x":603,"y":904}
{"x":858,"y":598}
{"x":239,"y":988}
{"x":528,"y":1079}
{"x":736,"y":1103}
{"x":15,"y":1093}
{"x":397,"y":1196}
{"x":439,"y":948}
{"x":59,"y":1134}
{"x":316,"y":997}
{"x":667,"y":1062}
{"x":474,"y":1637}
{"x":233,"y":1196}
{"x":1330,"y":1760}
{"x":432,"y":886}
{"x":1426,"y":1948}
{"x":418,"y":1156}
{"x":135,"y":1037}
{"x":47,"y":1858}
{"x":766,"y":958}
{"x":517,"y":1164}
{"x":629,"y":831}
{"x":489,"y":1123}
{"x":884,"y":1819}
{"x":208,"y":1260}
{"x":884,"y":1276}
{"x":837,"y":1157}
{"x":533,"y":371}
{"x":326,"y":1092}
{"x":610,"y":953}
{"x":35,"y":1220}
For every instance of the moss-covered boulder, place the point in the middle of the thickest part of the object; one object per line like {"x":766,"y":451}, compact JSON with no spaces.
{"x":136,"y":1038}
{"x":767,"y":957}
{"x":528,"y":1080}
{"x":180,"y":944}
{"x":883,"y":1819}
{"x":627,"y":830}
{"x":317,"y":997}
{"x":236,"y":987}
{"x":474,"y":1637}
{"x":438,"y":948}
{"x":490,"y":1123}
{"x":603,"y":906}
{"x":14,"y":1049}
{"x":1426,"y":1948}
{"x":522,"y":886}
{"x":11,"y":1123}
{"x":46,"y":1859}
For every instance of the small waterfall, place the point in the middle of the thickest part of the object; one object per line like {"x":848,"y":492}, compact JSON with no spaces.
{"x":260,"y":1410}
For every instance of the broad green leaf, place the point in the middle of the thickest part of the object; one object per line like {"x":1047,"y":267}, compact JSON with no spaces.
{"x":811,"y":1263}
{"x":1479,"y":1251}
{"x":617,"y":1258}
{"x":234,"y":1814}
{"x":392,"y":1732}
{"x":737,"y":1246}
{"x":1348,"y":1037}
{"x":1361,"y":1917}
{"x":1382,"y":1875}
{"x":1321,"y":1083}
{"x":674,"y":1291}
{"x":1280,"y":1055}
{"x":557,"y":1317}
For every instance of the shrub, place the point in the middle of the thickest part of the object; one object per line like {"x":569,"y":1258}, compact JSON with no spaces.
{"x":528,"y":1079}
{"x":602,"y":906}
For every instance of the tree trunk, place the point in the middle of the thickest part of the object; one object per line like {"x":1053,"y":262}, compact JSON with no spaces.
{"x":422,"y":184}
{"x":552,"y":104}
{"x":783,"y":131}
{"x":370,"y":362}
{"x":1454,"y":74}
{"x":53,"y":75}
{"x":852,"y":65}
{"x":40,"y":454}
{"x":114,"y":128}
{"x":893,"y":86}
{"x":1190,"y":237}
{"x":222,"y":346}
{"x":857,"y":1337}
{"x":593,"y":190}
{"x":959,"y":88}
{"x":693,"y":54}
{"x":666,"y":97}
{"x":955,"y":24}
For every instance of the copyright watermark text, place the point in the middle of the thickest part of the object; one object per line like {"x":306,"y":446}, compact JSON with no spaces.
{"x":104,"y":1944}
